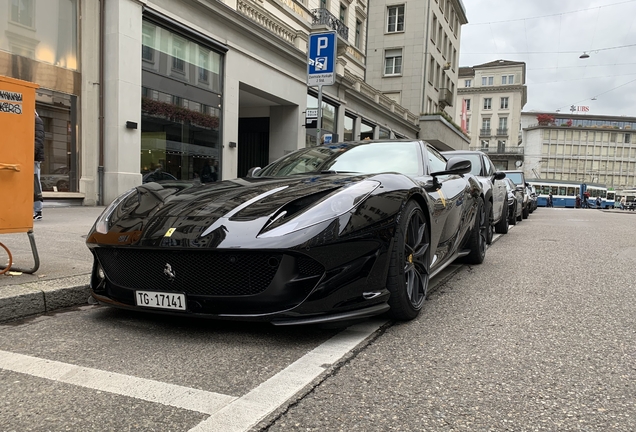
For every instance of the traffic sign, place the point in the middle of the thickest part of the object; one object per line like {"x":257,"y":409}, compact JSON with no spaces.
{"x":321,"y":58}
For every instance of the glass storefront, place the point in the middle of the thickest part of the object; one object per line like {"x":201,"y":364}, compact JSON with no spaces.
{"x":181,"y":96}
{"x":366,"y":130}
{"x":349,"y":127}
{"x":39,"y":43}
{"x":329,"y":114}
{"x":58,"y":170}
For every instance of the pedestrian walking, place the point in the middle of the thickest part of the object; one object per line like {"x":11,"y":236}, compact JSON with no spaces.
{"x":550,"y":202}
{"x":598,"y":202}
{"x":38,"y":159}
{"x":623,"y":202}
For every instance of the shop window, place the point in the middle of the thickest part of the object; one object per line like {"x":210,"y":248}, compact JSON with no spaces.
{"x":367,"y":130}
{"x":349,"y":128}
{"x":180,"y":124}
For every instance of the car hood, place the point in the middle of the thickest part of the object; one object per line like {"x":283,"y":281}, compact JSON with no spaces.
{"x":242,"y":199}
{"x":194,"y":211}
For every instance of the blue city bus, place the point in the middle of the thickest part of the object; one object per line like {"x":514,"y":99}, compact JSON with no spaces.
{"x":564,"y":193}
{"x":598,"y":190}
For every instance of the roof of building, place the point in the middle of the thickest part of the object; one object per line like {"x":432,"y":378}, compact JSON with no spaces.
{"x":470,"y":70}
{"x":499,"y":63}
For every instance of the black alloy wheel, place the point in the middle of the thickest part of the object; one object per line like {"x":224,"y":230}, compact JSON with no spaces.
{"x":477,"y":242}
{"x":410,"y":264}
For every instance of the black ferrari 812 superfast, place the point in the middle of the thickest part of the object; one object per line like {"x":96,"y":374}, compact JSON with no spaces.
{"x":326,"y":233}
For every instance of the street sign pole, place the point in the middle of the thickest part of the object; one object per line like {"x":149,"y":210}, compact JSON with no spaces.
{"x":321,"y":67}
{"x":319,"y":120}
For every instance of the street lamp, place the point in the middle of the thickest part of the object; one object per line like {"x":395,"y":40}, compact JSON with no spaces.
{"x":584,"y":56}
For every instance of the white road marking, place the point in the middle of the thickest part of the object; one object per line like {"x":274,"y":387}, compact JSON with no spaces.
{"x":245,"y":412}
{"x":140,"y":388}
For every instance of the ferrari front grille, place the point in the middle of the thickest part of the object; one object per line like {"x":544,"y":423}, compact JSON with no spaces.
{"x":195,"y":272}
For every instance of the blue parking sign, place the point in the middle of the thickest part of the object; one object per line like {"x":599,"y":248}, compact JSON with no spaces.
{"x":321,"y":58}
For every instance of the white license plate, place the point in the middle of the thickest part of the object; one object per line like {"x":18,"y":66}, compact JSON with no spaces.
{"x":160,"y":300}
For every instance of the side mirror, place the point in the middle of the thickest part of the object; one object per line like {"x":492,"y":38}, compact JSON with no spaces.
{"x":455,"y":166}
{"x":499,"y":175}
{"x":252,"y":171}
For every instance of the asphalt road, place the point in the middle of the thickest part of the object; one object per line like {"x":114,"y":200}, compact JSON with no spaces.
{"x":539,"y":337}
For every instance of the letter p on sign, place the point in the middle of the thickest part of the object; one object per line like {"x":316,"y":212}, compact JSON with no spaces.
{"x":323,"y":43}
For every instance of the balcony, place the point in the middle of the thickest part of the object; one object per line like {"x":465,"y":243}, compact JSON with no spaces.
{"x":485,"y":132}
{"x":324,"y":17}
{"x":445,"y":97}
{"x":502,"y":131}
{"x":503,"y":150}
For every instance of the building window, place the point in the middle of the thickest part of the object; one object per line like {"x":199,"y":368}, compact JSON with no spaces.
{"x":468,"y":83}
{"x":343,"y":14}
{"x":511,"y":79}
{"x":504,"y":103}
{"x":487,"y":81}
{"x":22,"y":12}
{"x":358,"y":40}
{"x":487,"y":103}
{"x":503,"y":123}
{"x":147,"y":41}
{"x":468,"y":124}
{"x":485,"y":124}
{"x":485,"y":144}
{"x":628,"y":138}
{"x":203,"y":65}
{"x":393,"y":62}
{"x":178,"y":54}
{"x":467,"y":104}
{"x":395,"y":19}
{"x":323,"y":4}
{"x":431,"y":71}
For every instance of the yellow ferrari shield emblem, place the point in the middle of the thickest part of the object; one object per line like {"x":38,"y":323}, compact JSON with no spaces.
{"x":442,"y":197}
{"x":169,"y":232}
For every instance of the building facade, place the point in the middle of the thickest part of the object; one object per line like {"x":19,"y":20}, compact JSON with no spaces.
{"x":494,"y":94}
{"x":138,"y":88}
{"x":413,"y":55}
{"x":580,"y":148}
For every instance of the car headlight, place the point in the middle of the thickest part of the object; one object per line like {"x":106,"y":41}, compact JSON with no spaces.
{"x":103,"y":223}
{"x":341,"y":202}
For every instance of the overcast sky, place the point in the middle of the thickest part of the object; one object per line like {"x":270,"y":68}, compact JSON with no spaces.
{"x":551,"y":45}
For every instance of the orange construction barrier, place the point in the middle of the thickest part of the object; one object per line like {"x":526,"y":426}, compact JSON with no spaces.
{"x":17,"y":129}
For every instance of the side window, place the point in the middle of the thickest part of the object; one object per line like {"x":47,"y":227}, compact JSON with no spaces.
{"x":436,"y":161}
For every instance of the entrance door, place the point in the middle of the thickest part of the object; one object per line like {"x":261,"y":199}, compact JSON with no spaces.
{"x":253,"y":143}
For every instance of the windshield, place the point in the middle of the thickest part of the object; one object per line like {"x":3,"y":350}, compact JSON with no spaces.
{"x":474,"y":159}
{"x":517,"y":178}
{"x":400,"y":157}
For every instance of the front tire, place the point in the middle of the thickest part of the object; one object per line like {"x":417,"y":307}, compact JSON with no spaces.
{"x":410,"y":264}
{"x":490,"y":229}
{"x":502,"y":225}
{"x":477,"y":241}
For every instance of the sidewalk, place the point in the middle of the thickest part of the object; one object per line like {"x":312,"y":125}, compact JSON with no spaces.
{"x":65,"y":263}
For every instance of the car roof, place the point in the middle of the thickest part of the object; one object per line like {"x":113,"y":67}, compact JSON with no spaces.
{"x":460,"y":152}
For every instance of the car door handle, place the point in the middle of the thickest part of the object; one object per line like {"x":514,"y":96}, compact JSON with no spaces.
{"x":13,"y":167}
